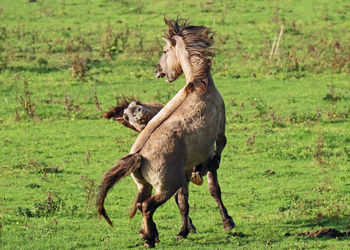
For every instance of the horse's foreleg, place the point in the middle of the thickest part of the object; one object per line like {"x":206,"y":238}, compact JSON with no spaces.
{"x":181,"y":198}
{"x":215,"y":192}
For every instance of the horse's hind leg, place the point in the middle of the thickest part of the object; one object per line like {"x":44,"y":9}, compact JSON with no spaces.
{"x":215,"y":192}
{"x":181,"y":198}
{"x":148,"y":208}
{"x":220,"y":145}
{"x":143,"y":194}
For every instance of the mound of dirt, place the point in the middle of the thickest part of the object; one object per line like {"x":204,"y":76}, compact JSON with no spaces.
{"x":330,"y":232}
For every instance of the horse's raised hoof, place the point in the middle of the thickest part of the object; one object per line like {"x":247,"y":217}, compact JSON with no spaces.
{"x":228,"y":224}
{"x":197,"y":178}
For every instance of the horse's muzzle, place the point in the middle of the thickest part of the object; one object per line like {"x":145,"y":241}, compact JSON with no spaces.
{"x":158,"y":72}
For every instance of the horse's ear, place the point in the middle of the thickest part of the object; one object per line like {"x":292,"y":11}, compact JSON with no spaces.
{"x":170,"y":41}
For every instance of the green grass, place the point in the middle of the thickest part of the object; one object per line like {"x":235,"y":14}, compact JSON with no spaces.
{"x":59,"y":58}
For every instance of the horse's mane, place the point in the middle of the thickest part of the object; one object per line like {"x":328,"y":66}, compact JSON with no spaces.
{"x":198,"y":41}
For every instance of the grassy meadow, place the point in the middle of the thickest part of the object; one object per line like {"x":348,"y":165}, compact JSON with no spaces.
{"x":285,"y":169}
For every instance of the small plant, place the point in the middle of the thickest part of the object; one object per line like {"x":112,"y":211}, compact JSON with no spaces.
{"x":97,"y":103}
{"x":251,"y":139}
{"x":87,"y":157}
{"x":79,"y":66}
{"x":276,"y":121}
{"x":70,"y":106}
{"x":35,"y":166}
{"x":332,"y":95}
{"x":110,"y":42}
{"x":260,"y":106}
{"x":26,"y":102}
{"x":50,"y":206}
{"x":318,"y":153}
{"x":90,"y":192}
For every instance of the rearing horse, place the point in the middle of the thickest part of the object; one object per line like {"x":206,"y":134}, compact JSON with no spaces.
{"x":182,"y":135}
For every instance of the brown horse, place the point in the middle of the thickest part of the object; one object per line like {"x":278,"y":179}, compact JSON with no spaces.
{"x":132,"y":113}
{"x":182,"y":135}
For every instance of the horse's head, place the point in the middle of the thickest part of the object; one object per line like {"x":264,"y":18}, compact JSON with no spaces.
{"x":187,"y":50}
{"x":137,"y":115}
{"x":169,"y":65}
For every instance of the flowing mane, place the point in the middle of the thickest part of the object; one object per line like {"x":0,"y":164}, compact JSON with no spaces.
{"x":198,"y":41}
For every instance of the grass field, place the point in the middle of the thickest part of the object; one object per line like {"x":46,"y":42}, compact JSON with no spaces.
{"x":285,"y":169}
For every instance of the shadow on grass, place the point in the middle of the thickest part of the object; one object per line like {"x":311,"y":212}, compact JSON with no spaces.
{"x":325,"y":221}
{"x":307,"y":225}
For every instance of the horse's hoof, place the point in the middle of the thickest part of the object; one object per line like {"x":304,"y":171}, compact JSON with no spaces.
{"x":228,"y":224}
{"x":157,"y":239}
{"x":197,"y":178}
{"x":192,"y":229}
{"x":149,"y":244}
{"x":182,"y":235}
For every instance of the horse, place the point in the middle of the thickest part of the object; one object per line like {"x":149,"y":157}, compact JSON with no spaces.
{"x":136,"y":115}
{"x":186,"y":132}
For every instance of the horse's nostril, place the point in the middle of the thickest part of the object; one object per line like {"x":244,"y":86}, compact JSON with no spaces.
{"x":126,"y":117}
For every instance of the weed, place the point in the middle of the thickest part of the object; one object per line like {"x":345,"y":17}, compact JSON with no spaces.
{"x":260,"y":106}
{"x":70,"y":106}
{"x":50,"y":206}
{"x":110,"y":43}
{"x":37,"y":166}
{"x":319,"y":149}
{"x":79,"y":66}
{"x":26,"y":102}
{"x":332,"y":95}
{"x":87,"y":157}
{"x":233,"y":102}
{"x":97,"y":103}
{"x":251,"y":139}
{"x":90,"y":192}
{"x":277,"y":121}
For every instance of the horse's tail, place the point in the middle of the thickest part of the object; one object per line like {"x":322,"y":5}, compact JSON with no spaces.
{"x":124,"y":167}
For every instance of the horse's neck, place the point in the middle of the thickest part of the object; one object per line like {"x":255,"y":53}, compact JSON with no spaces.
{"x":184,"y":59}
{"x":191,"y":67}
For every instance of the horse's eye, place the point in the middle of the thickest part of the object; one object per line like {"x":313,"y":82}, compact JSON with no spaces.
{"x":164,"y":52}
